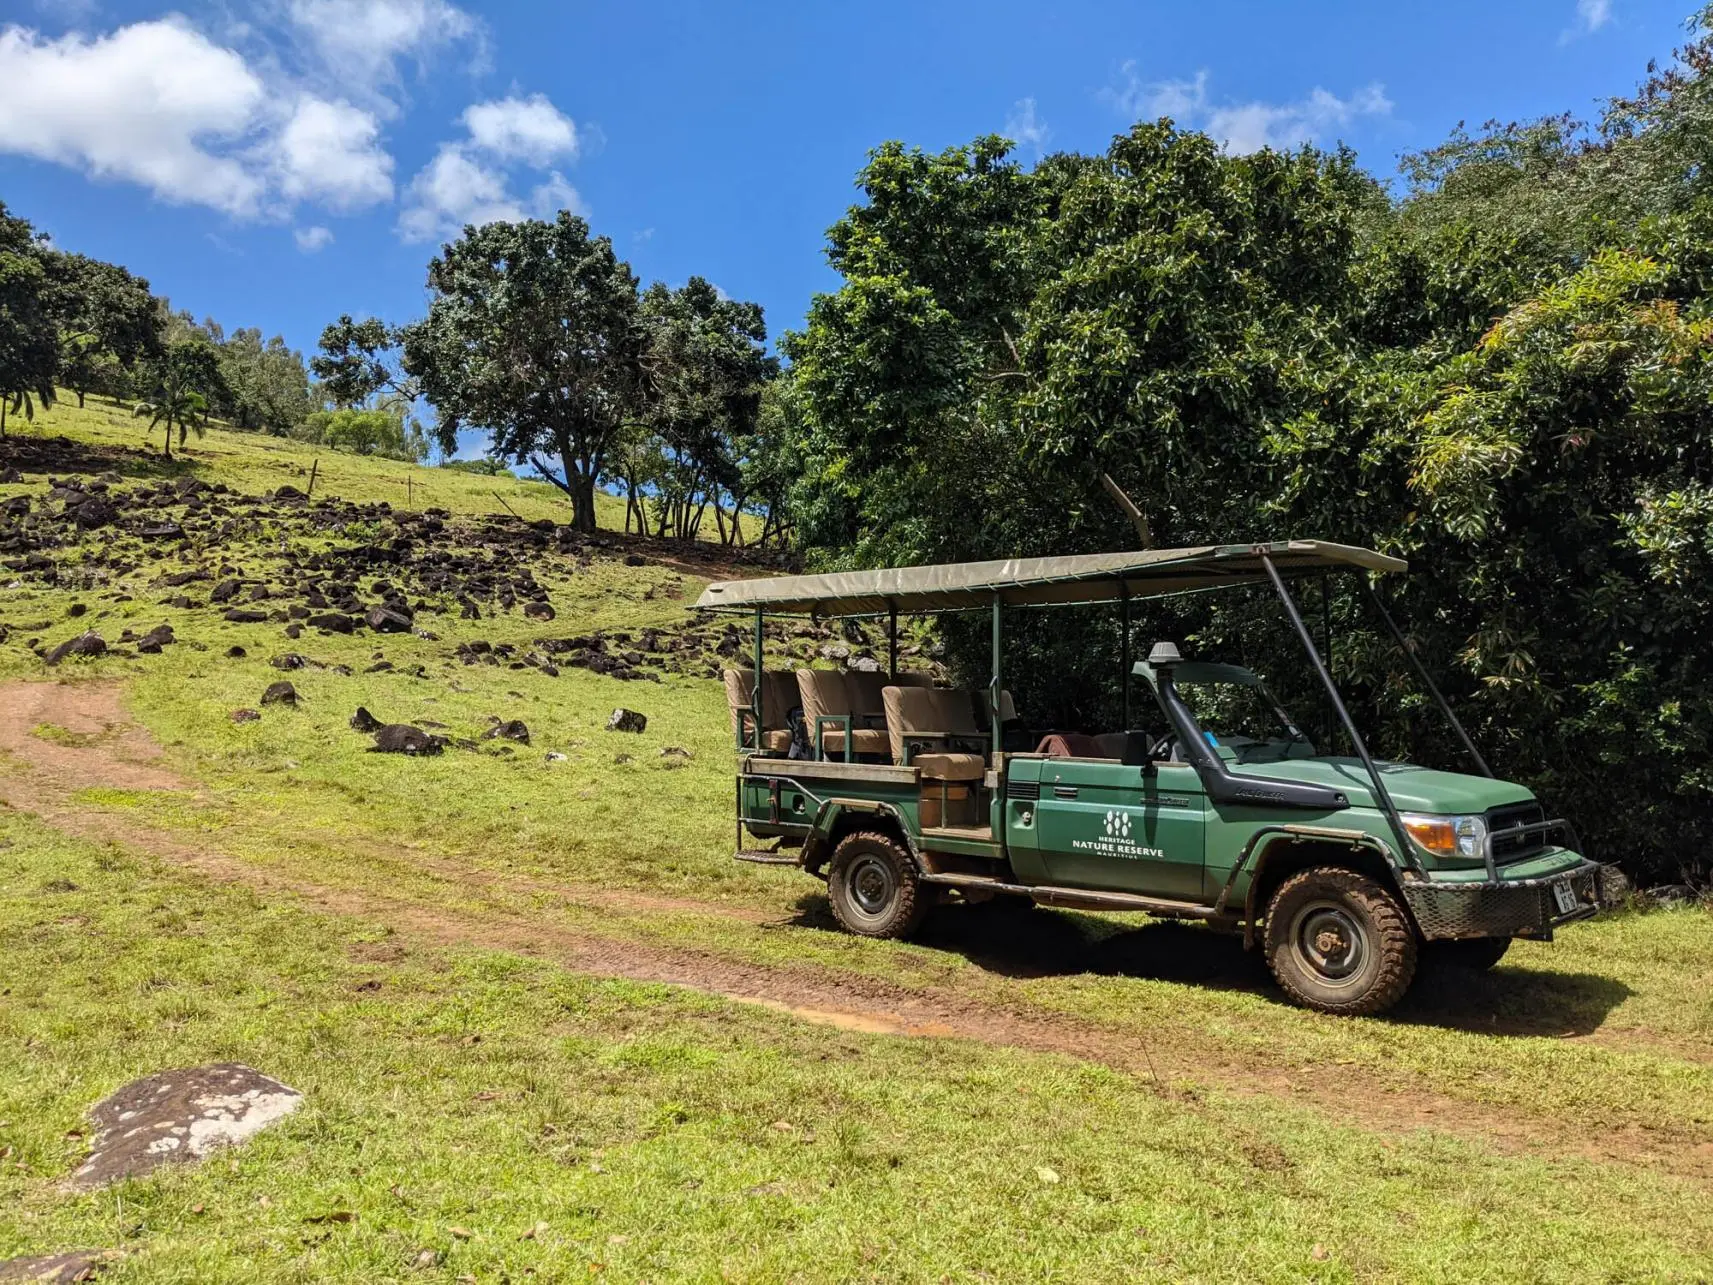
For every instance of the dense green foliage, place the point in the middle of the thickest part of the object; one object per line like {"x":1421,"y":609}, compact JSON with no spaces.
{"x":385,"y":430}
{"x":1503,"y":376}
{"x":29,"y":355}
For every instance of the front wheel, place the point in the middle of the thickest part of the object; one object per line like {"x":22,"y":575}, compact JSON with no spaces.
{"x":873,"y":888}
{"x":1338,"y":942}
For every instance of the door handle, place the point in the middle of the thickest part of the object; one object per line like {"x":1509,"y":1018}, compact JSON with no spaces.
{"x":1064,"y":791}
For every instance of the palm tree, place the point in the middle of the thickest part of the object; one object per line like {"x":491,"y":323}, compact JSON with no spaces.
{"x":178,"y":385}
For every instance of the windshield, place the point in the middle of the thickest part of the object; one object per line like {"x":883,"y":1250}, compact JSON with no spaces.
{"x":1246,"y":722}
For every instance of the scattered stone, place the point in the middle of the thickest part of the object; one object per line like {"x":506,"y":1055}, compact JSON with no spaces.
{"x":280,"y":693}
{"x":242,"y":616}
{"x":676,"y":752}
{"x":619,"y":760}
{"x":77,"y":1265}
{"x":88,"y":644}
{"x":76,"y":609}
{"x":363,"y":721}
{"x":288,"y":661}
{"x":244,"y":716}
{"x":635,"y":560}
{"x":235,"y":652}
{"x":180,"y":1115}
{"x":225,"y":591}
{"x":384,"y":620}
{"x":333,"y":622}
{"x":627,"y":720}
{"x":513,"y":729}
{"x":539,"y":610}
{"x":402,"y":738}
{"x":554,"y":756}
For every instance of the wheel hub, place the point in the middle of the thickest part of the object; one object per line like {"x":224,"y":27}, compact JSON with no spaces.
{"x":1331,"y":941}
{"x":871,"y":885}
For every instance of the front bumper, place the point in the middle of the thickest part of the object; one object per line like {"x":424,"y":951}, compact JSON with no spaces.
{"x":1510,"y":907}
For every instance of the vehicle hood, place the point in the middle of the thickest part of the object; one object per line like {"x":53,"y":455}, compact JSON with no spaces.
{"x":1413,"y":789}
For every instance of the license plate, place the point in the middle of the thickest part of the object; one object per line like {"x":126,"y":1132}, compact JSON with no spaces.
{"x":1565,"y":895}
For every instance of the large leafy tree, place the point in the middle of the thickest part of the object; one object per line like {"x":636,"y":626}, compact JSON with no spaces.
{"x":107,"y":321}
{"x":267,"y":387}
{"x":534,"y":333}
{"x":707,"y":363}
{"x":359,"y":363}
{"x":29,"y":348}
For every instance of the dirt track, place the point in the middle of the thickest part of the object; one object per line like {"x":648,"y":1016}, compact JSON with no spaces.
{"x":105,"y":748}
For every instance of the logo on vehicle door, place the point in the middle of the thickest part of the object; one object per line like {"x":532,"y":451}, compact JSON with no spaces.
{"x":1113,"y":840}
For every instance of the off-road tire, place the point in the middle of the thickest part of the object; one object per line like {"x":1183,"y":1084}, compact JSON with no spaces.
{"x":1338,"y":942}
{"x":873,"y":888}
{"x":1476,"y":954}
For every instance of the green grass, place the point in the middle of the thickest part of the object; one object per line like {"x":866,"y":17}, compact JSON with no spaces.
{"x":648,"y":1114}
{"x":657,"y":1134}
{"x":257,"y":462}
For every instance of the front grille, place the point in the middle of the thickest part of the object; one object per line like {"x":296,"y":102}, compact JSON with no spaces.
{"x":1517,"y":846}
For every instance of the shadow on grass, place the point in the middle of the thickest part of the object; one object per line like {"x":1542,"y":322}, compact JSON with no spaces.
{"x":64,"y":455}
{"x":1013,"y":939}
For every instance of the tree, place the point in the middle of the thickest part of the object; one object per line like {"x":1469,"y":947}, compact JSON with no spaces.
{"x":267,"y":385}
{"x":535,"y":335}
{"x":359,"y":362}
{"x":386,"y":431}
{"x":29,"y":351}
{"x":708,"y":363}
{"x":107,"y":321}
{"x":178,"y":386}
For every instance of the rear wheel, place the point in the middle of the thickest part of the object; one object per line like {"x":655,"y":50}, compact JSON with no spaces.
{"x":872,"y":884}
{"x":1338,"y":942}
{"x":1477,"y":954}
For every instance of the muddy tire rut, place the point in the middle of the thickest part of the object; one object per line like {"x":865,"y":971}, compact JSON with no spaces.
{"x":91,"y":742}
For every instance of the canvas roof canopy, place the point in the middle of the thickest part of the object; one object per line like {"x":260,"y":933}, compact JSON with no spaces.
{"x":1073,"y":578}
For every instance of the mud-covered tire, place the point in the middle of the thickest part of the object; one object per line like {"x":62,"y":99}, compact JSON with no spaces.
{"x":1474,"y":954}
{"x":873,"y":888}
{"x":1338,"y":942}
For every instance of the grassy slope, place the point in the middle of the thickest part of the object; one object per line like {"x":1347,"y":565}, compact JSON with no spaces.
{"x":141,"y":968}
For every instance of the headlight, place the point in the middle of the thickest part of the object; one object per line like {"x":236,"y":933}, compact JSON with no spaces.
{"x":1447,"y":836}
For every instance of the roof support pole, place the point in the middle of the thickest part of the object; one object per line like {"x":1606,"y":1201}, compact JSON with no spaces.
{"x":1406,"y":850}
{"x":1427,"y":678}
{"x":755,"y":697}
{"x":1124,"y":659}
{"x":993,"y":689}
{"x":892,"y":642}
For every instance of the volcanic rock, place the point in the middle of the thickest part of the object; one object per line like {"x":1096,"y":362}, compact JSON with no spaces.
{"x":180,"y":1116}
{"x":244,"y":716}
{"x":76,"y":1265}
{"x":88,"y":644}
{"x":402,"y":738}
{"x":627,"y":720}
{"x":511,"y":730}
{"x":539,"y":610}
{"x":384,"y":620}
{"x":333,"y":622}
{"x":363,"y":721}
{"x":280,"y":693}
{"x":242,"y":616}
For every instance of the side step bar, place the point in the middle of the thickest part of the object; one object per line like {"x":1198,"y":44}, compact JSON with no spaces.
{"x":769,"y":857}
{"x":1079,"y":898}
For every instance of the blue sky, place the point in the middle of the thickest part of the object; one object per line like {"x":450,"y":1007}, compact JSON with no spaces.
{"x":277,"y":164}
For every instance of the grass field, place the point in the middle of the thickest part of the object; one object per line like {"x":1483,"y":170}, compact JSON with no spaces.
{"x":464,"y":961}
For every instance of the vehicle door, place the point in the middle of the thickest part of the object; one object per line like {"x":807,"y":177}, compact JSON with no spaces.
{"x":1101,"y":824}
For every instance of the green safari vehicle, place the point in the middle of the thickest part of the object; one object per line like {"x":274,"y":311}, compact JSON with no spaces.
{"x":1344,"y":869}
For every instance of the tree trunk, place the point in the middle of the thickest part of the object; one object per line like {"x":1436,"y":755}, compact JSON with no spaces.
{"x":166,"y":442}
{"x":80,"y":399}
{"x":4,"y":403}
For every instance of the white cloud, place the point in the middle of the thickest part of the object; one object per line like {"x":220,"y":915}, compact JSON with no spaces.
{"x":328,"y":152}
{"x":1245,"y":127}
{"x":469,"y":183}
{"x":1025,"y":128}
{"x":522,"y":129}
{"x":362,"y":41}
{"x":1593,"y":14}
{"x":160,"y":104}
{"x":310,"y":240}
{"x":151,"y":103}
